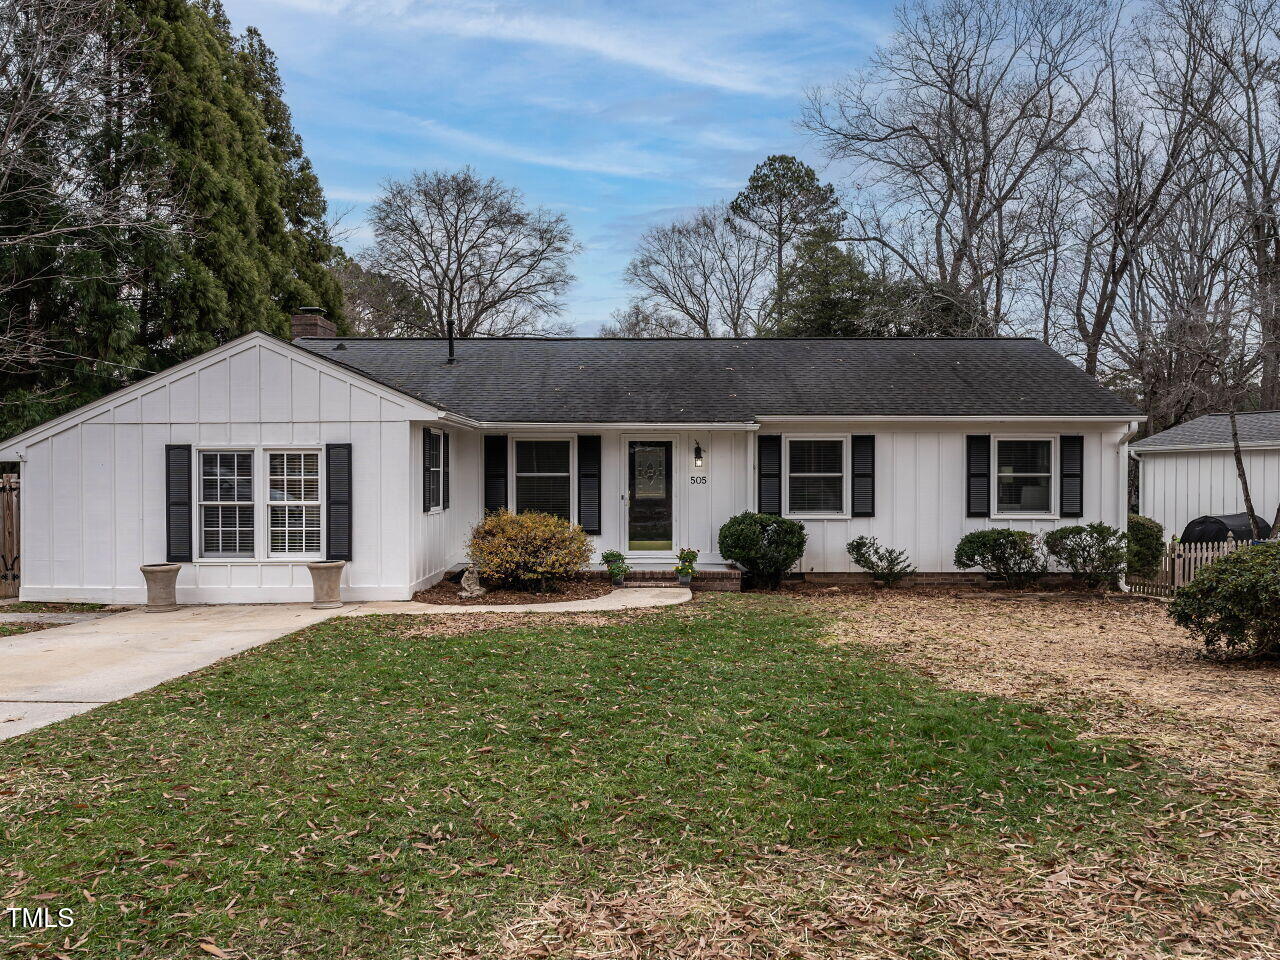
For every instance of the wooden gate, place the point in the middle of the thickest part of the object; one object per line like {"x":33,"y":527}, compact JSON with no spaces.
{"x":10,"y":568}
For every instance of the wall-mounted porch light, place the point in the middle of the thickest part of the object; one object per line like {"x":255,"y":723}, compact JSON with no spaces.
{"x":697,"y":454}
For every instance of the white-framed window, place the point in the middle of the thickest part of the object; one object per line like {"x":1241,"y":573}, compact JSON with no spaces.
{"x":226,"y":503}
{"x":260,"y":504}
{"x":815,"y":472}
{"x":293,"y":489}
{"x":543,"y":476}
{"x":434,"y":464}
{"x":1025,"y":469}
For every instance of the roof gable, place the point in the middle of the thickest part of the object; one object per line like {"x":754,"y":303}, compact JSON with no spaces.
{"x":135,"y":402}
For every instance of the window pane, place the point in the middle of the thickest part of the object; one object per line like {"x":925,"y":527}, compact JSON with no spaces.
{"x":226,"y":531}
{"x":226,"y":477}
{"x":543,"y":495}
{"x":651,"y":472}
{"x":1024,"y":456}
{"x":542,"y":456}
{"x":816,"y":495}
{"x":816,"y":456}
{"x":1024,"y":495}
{"x":295,"y":529}
{"x":294,"y":476}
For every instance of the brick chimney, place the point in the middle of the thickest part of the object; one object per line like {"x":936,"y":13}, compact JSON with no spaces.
{"x":311,"y":322}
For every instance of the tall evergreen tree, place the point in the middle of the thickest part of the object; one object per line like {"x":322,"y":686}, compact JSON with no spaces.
{"x":230,"y":233}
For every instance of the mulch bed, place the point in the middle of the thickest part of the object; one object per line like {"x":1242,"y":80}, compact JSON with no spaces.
{"x":446,"y":592}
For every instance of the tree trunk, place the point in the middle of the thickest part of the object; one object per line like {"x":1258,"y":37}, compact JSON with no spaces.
{"x":1244,"y":480}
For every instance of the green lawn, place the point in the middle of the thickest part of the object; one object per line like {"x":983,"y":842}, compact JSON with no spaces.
{"x":357,"y":788}
{"x":36,"y":606}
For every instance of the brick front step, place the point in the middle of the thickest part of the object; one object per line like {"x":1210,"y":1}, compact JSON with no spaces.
{"x":725,"y":580}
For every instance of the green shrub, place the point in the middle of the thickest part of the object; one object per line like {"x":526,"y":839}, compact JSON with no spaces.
{"x":766,"y":546}
{"x":1233,"y":604}
{"x":528,"y":551}
{"x":885,"y":564}
{"x":616,"y":564}
{"x":1096,"y":553}
{"x":1146,"y":546}
{"x":1010,"y":555}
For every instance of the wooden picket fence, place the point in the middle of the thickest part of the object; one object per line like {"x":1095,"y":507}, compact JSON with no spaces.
{"x":10,"y":560}
{"x":1179,"y":565}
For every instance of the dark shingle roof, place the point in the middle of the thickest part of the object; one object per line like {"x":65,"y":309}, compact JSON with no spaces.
{"x":1214,"y":429}
{"x":689,"y":381}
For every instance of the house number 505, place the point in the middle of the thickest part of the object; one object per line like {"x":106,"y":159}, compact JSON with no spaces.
{"x":697,"y":479}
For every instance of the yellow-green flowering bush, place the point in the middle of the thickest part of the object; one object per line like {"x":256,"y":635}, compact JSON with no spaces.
{"x":528,"y":551}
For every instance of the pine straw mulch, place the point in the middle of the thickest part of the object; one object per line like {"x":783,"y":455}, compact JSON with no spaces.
{"x":585,"y":589}
{"x":1200,"y":881}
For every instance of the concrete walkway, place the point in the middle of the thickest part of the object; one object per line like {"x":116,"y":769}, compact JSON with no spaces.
{"x":53,"y":674}
{"x":621,"y":599}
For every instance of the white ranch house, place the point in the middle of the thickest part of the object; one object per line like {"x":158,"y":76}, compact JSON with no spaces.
{"x":250,"y":460}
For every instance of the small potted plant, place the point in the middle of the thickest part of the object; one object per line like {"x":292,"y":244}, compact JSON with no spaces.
{"x":617,"y":566}
{"x":684,"y":568}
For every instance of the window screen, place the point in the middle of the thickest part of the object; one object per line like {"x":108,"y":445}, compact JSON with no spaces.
{"x":542,"y":477}
{"x":1024,"y":476}
{"x":293,"y":485}
{"x":815,"y":476}
{"x":226,"y":504}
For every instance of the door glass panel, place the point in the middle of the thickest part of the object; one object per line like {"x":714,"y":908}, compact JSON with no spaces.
{"x":651,"y":473}
{"x":649,"y":516}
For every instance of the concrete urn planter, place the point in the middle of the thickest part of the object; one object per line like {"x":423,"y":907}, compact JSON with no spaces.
{"x":326,"y":583}
{"x":162,"y":586}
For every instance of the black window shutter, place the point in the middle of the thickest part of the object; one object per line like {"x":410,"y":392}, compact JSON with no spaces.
{"x":426,"y":469}
{"x":177,"y":485}
{"x":1071,"y":494}
{"x":589,"y":483}
{"x":337,"y":484}
{"x":978,"y":475}
{"x":864,"y":475}
{"x":495,"y":472}
{"x":769,"y":470}
{"x":444,"y":469}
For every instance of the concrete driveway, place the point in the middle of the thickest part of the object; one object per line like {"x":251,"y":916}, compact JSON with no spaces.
{"x":52,"y":674}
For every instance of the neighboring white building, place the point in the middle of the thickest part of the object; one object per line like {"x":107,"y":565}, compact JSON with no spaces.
{"x":1189,"y":471}
{"x":249,"y":460}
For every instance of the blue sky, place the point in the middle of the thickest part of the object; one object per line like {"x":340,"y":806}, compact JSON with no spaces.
{"x":619,"y":115}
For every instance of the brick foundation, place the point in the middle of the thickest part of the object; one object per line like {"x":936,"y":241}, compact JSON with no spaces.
{"x":941,"y":578}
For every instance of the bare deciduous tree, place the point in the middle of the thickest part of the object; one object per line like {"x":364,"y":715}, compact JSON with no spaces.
{"x":70,"y":93}
{"x":471,"y":251}
{"x":957,"y":129}
{"x":705,"y":276}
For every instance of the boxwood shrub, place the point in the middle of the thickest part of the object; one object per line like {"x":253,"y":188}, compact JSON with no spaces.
{"x":1014,"y":556}
{"x":1146,"y":546}
{"x":1233,"y":604}
{"x":766,"y":546}
{"x":886,"y":565}
{"x":1095,"y":553}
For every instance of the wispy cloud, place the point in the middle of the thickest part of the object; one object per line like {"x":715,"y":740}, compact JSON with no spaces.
{"x":684,"y":48}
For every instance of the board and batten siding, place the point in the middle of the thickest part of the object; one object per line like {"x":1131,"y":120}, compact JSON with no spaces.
{"x":440,"y":536}
{"x":920,"y":482}
{"x":1175,"y":488}
{"x":94,"y":496}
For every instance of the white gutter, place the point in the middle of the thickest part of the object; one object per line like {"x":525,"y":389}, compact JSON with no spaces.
{"x":1204,"y":447}
{"x":1062,"y":418}
{"x":576,"y":426}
